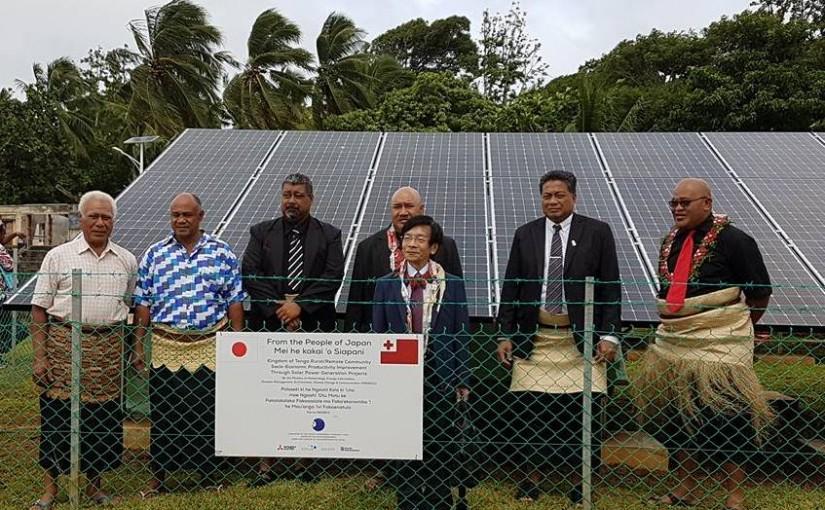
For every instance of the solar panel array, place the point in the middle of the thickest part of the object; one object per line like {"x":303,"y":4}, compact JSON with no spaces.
{"x":647,"y":167}
{"x":785,"y":172}
{"x":482,"y":187}
{"x":518,"y":162}
{"x":337,"y":163}
{"x":213,"y":164}
{"x":448,"y":170}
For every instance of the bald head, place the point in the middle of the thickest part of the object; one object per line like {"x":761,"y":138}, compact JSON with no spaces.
{"x":700,"y":187}
{"x":691,"y":204}
{"x":187,"y":198}
{"x":405,"y":203}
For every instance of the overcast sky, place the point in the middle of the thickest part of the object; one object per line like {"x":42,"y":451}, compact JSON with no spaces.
{"x":570,"y":31}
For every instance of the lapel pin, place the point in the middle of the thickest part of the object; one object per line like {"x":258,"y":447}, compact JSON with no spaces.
{"x":573,"y":242}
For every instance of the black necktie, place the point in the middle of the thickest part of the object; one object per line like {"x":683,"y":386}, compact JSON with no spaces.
{"x":555,"y":274}
{"x":295,"y":266}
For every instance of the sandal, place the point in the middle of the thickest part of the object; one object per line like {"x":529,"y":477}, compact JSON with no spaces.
{"x":263,"y":478}
{"x":671,"y":499}
{"x":527,"y":492}
{"x":375,"y":482}
{"x":42,"y":505}
{"x":150,"y":493}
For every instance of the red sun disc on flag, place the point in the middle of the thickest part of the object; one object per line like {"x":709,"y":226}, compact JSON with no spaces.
{"x":239,"y":349}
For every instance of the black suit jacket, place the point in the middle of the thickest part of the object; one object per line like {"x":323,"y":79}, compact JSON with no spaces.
{"x":372,"y":261}
{"x":323,"y":260}
{"x":594,"y":254}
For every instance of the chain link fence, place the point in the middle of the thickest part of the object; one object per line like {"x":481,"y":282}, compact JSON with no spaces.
{"x":558,"y":428}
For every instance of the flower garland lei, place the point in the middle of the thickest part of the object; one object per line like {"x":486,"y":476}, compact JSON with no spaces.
{"x":720,"y":221}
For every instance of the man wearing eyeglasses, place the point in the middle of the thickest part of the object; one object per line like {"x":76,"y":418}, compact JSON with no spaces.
{"x":420,"y":297}
{"x":697,"y":385}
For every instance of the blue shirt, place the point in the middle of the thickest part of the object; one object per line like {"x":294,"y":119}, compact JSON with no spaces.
{"x":189,"y":291}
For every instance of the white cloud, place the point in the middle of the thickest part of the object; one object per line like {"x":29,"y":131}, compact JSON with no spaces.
{"x":571,"y":32}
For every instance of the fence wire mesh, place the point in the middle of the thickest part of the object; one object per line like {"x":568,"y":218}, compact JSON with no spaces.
{"x":685,"y":413}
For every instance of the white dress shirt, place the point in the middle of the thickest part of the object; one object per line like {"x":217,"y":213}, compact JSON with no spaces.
{"x":108,"y":282}
{"x":548,"y":244}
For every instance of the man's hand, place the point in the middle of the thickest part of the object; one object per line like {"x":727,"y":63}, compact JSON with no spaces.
{"x":505,"y":352}
{"x":462,"y":394}
{"x":40,"y":372}
{"x":288,"y":312}
{"x":605,"y":351}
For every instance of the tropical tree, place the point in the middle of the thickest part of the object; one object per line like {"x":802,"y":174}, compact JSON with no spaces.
{"x":174,"y":86}
{"x":348,"y":78}
{"x":445,"y":45}
{"x":269,"y":93}
{"x":511,"y":62}
{"x":62,"y":84}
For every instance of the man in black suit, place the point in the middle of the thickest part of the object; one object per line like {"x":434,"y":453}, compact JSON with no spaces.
{"x":542,"y":322}
{"x":381,"y":253}
{"x":292,"y":267}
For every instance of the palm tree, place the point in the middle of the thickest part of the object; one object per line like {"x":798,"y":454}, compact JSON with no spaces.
{"x":270,"y":92}
{"x":347,"y":77}
{"x":62,"y":85}
{"x":175,"y":83}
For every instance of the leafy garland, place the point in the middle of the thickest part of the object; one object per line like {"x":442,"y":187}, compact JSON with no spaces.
{"x":720,"y":221}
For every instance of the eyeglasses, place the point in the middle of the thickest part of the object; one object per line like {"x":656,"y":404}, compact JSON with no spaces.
{"x":418,"y":239}
{"x":684,"y":203}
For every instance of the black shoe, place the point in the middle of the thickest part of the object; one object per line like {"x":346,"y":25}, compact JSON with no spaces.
{"x":527,"y":492}
{"x":575,"y":495}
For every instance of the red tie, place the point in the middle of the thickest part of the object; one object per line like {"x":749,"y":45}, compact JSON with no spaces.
{"x":678,"y":287}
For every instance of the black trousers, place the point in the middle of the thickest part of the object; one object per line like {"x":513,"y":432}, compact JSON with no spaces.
{"x":425,"y":484}
{"x":183,"y":420}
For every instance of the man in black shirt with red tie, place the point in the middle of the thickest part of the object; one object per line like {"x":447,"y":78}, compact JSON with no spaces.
{"x":697,"y":385}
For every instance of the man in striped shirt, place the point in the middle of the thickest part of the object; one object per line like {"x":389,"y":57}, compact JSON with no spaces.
{"x":189,"y":288}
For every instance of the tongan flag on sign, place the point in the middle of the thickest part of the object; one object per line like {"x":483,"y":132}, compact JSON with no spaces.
{"x":401,"y":351}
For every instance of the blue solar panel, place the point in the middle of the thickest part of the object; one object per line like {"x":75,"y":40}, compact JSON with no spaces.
{"x":448,"y":170}
{"x":214,"y":164}
{"x":337,"y":163}
{"x":519,"y":160}
{"x":647,"y":166}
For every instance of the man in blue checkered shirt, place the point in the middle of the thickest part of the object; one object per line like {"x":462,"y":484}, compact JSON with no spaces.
{"x":189,"y":288}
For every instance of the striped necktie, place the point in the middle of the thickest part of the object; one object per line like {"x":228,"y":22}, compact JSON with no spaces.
{"x":555,"y":274}
{"x":295,"y":266}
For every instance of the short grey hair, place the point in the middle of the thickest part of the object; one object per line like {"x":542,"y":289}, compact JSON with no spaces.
{"x":97,"y":195}
{"x":298,"y":178}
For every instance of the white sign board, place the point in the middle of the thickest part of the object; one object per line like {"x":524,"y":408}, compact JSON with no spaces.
{"x":324,"y":395}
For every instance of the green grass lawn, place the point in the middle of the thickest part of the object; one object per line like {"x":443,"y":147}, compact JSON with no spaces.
{"x":20,"y":476}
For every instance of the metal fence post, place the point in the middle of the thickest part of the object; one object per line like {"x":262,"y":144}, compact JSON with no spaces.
{"x":587,"y":398}
{"x":15,"y":269}
{"x":77,"y":314}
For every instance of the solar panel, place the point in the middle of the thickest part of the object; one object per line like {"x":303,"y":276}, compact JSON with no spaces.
{"x":771,"y":155}
{"x":635,"y":159}
{"x":448,"y":170}
{"x":337,"y":163}
{"x":785,"y":173}
{"x":518,"y":160}
{"x":214,"y":164}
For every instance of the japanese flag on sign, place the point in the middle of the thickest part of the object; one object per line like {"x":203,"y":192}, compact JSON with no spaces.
{"x":400,"y":351}
{"x":237,"y":347}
